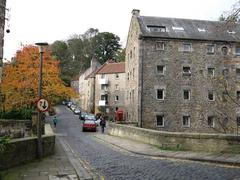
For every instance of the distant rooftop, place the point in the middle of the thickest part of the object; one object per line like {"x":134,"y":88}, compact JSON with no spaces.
{"x":188,"y":29}
{"x":112,"y":67}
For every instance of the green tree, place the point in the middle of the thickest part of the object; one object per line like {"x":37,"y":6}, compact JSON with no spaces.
{"x":105,"y":46}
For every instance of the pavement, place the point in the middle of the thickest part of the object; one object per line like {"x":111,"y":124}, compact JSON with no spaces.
{"x":61,"y":166}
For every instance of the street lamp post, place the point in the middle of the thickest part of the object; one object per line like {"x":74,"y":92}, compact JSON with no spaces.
{"x":39,"y":124}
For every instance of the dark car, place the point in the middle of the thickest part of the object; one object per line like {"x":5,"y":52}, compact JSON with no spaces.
{"x":82,"y":115}
{"x":89,"y":125}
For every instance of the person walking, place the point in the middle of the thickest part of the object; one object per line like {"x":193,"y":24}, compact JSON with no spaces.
{"x":102,"y":123}
{"x":55,"y":121}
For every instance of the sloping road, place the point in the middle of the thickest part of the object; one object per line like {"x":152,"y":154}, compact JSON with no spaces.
{"x":94,"y":159}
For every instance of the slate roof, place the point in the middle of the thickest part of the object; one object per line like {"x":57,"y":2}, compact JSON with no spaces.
{"x":191,"y":29}
{"x":110,"y":68}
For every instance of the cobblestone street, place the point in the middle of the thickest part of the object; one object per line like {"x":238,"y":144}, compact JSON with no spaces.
{"x":110,"y":162}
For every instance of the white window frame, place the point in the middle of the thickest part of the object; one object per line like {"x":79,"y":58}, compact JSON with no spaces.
{"x":160,"y":46}
{"x":116,"y":98}
{"x":163,"y":120}
{"x":188,"y":120}
{"x":210,"y":49}
{"x":103,"y":76}
{"x":187,"y":47}
{"x":237,"y":48}
{"x":116,"y":86}
{"x":212,"y":118}
{"x":212,"y":70}
{"x":163,"y":70}
{"x":163,"y":94}
{"x":189,"y":94}
{"x":116,"y":76}
{"x":187,"y":73}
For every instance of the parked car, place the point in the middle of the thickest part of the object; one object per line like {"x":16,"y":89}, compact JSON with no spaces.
{"x":73,"y":107}
{"x":77,"y":111}
{"x":89,"y":125}
{"x":90,"y":117}
{"x":82,"y":115}
{"x":69,"y":104}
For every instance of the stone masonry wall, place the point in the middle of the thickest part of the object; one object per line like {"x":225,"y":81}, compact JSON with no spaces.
{"x":198,"y":107}
{"x":23,"y":150}
{"x":217,"y":143}
{"x":133,"y":72}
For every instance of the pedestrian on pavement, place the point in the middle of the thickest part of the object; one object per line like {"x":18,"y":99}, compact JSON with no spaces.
{"x":102,"y":123}
{"x":55,"y":121}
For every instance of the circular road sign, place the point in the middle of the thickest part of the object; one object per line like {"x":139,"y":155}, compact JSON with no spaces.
{"x":42,"y":105}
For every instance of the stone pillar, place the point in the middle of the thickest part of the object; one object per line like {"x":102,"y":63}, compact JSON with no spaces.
{"x":34,"y":122}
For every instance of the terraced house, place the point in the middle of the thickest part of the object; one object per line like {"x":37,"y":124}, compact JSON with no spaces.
{"x":110,"y":87}
{"x":183,"y":75}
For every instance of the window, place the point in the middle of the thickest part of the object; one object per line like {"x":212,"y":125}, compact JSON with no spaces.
{"x":116,"y":87}
{"x":201,"y":30}
{"x":238,"y":95}
{"x":210,"y":121}
{"x":211,"y":72}
{"x":210,"y":96}
{"x":160,"y":120}
{"x":133,"y":73}
{"x":238,"y":73}
{"x":187,"y":47}
{"x":102,"y":76}
{"x":116,"y":76}
{"x":157,"y":28}
{"x":210,"y":48}
{"x":186,"y":121}
{"x":160,"y":45}
{"x":237,"y":50}
{"x":238,"y":121}
{"x":177,"y":28}
{"x":161,"y":69}
{"x":128,"y":76}
{"x":186,"y":71}
{"x":160,"y":94}
{"x":224,"y":50}
{"x":116,"y":98}
{"x":103,"y":87}
{"x":186,"y":94}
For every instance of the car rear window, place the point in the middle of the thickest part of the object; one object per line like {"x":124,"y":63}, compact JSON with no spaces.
{"x":89,"y":122}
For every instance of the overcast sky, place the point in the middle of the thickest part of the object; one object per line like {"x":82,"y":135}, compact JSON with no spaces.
{"x":49,"y":20}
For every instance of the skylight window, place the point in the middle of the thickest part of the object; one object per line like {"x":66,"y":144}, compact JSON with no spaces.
{"x":231,"y":32}
{"x":201,"y":30}
{"x":157,"y":28}
{"x":177,"y":28}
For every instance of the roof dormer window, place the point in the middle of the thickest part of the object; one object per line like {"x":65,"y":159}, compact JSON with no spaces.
{"x":231,"y":32}
{"x":177,"y":28}
{"x":156,"y":28}
{"x":201,"y":30}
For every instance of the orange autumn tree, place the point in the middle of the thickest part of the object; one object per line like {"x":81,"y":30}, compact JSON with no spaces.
{"x":20,"y":80}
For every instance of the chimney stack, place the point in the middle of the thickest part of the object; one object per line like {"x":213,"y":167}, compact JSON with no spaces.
{"x":135,"y":12}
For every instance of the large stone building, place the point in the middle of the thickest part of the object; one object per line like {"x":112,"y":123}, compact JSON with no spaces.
{"x":2,"y":24}
{"x":183,"y":75}
{"x":110,"y":88}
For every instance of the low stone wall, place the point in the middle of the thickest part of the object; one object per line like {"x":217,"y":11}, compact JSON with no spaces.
{"x":217,"y":143}
{"x":23,"y":150}
{"x":15,"y":128}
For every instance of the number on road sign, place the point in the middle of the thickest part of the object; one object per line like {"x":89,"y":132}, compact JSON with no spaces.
{"x":42,"y":105}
